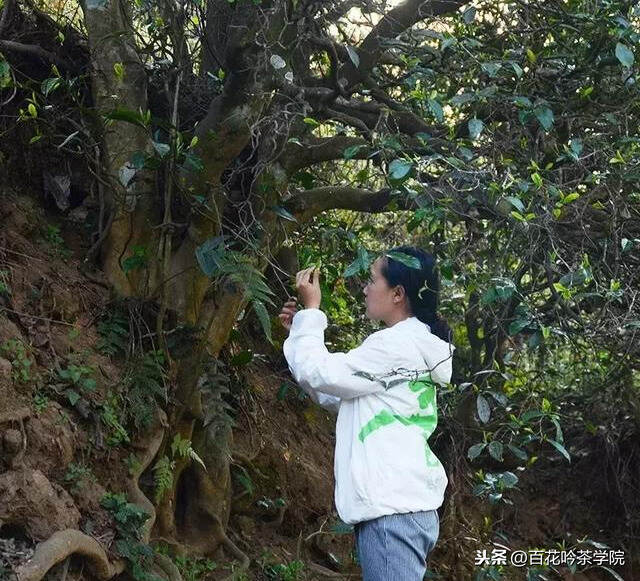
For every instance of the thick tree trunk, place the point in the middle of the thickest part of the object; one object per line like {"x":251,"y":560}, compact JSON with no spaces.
{"x":197,"y":508}
{"x":119,"y":82}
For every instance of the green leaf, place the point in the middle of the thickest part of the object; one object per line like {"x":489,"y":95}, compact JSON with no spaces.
{"x":491,"y":68}
{"x":484,"y":409}
{"x":624,"y":55}
{"x":476,"y":450}
{"x":193,"y":162}
{"x":522,"y":101}
{"x":517,"y":69}
{"x":570,"y":197}
{"x":263,"y":317}
{"x":73,"y":396}
{"x":576,"y":278}
{"x":518,"y":452}
{"x":138,"y":159}
{"x":136,"y":260}
{"x":406,"y":259}
{"x":559,"y":435}
{"x":516,"y":326}
{"x":310,"y":121}
{"x":162,"y":149}
{"x":48,"y":86}
{"x":436,"y":109}
{"x":576,"y":146}
{"x":5,"y":74}
{"x":531,"y":415}
{"x":277,"y":62}
{"x":475,"y":128}
{"x":469,"y":15}
{"x":558,"y":446}
{"x":495,"y":450}
{"x":509,"y":479}
{"x":209,"y":254}
{"x":282,"y":391}
{"x":400,"y":168}
{"x":360,"y":264}
{"x":118,"y":70}
{"x":127,"y":115}
{"x":516,"y":203}
{"x":545,"y":116}
{"x":352,"y":151}
{"x":536,"y":178}
{"x":89,"y":384}
{"x":462,"y":98}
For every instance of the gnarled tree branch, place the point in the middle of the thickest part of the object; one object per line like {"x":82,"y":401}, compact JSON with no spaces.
{"x":392,"y":24}
{"x":307,"y":204}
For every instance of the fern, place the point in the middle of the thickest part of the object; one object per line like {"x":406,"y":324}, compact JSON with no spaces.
{"x":182,"y":448}
{"x":219,"y":262}
{"x":144,"y":389}
{"x":214,"y":386}
{"x":111,"y":417}
{"x":114,"y":334}
{"x":162,"y":477}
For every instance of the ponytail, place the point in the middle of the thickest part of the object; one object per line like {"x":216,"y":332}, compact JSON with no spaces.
{"x":421,"y":286}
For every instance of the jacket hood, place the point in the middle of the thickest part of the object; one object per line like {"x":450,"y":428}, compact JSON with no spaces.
{"x":436,"y":353}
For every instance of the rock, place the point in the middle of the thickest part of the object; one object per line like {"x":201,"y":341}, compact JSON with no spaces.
{"x":8,"y":330}
{"x":51,"y":440}
{"x":29,"y":501}
{"x":11,"y":442}
{"x":6,"y":369}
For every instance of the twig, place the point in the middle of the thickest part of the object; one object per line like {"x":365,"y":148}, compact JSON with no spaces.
{"x":36,"y":317}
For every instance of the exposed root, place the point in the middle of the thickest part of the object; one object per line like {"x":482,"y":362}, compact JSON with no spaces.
{"x":62,"y":544}
{"x":168,"y":567}
{"x":150,"y":444}
{"x":236,"y":553}
{"x":320,"y":570}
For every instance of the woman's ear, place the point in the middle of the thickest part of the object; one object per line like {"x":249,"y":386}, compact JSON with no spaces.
{"x":399,"y":293}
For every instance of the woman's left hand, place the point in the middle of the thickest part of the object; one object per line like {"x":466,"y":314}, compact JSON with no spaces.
{"x":308,"y":285}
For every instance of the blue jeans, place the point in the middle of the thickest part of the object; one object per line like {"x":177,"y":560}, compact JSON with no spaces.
{"x":395,"y":547}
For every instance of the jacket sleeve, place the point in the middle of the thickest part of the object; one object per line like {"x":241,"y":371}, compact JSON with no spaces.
{"x":335,"y":374}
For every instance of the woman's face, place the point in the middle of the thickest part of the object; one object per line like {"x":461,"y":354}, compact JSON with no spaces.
{"x":381,"y":300}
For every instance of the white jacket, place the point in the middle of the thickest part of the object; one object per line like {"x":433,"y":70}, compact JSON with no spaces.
{"x":385,"y":395}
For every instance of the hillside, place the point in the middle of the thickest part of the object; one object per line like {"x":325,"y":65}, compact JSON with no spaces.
{"x":80,"y":420}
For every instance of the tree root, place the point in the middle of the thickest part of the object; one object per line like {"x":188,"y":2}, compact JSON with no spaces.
{"x":168,"y":567}
{"x":59,"y":546}
{"x":151,"y":444}
{"x":320,"y":570}
{"x":233,"y":550}
{"x":62,"y":544}
{"x":219,"y":537}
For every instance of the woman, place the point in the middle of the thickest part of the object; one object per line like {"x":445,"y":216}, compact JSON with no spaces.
{"x":388,"y":481}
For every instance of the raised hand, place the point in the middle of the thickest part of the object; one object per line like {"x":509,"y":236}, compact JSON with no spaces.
{"x":308,"y":285}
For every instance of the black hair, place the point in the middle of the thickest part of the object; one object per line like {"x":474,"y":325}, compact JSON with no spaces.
{"x":421,"y":286}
